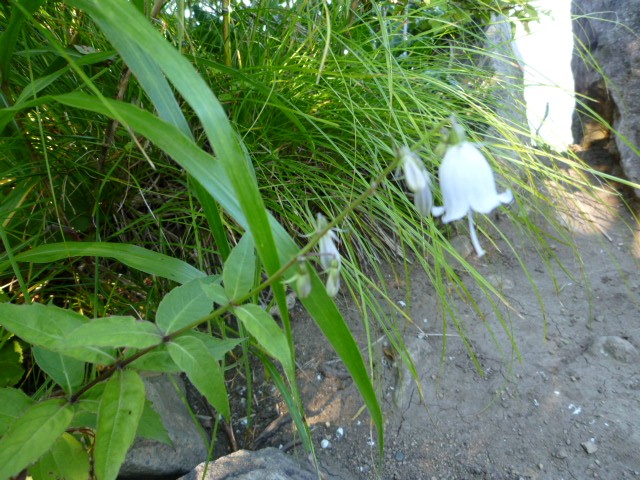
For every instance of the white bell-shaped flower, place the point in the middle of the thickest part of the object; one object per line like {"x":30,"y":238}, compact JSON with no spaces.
{"x":417,"y":179}
{"x":467,"y":184}
{"x":415,"y":175}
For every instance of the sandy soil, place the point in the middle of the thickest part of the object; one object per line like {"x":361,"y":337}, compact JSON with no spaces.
{"x":569,"y":408}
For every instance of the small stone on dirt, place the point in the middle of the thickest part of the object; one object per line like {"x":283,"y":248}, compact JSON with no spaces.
{"x":590,"y":447}
{"x":615,"y":347}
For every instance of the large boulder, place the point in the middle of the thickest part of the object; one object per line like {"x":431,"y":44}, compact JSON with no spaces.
{"x":606,"y":69}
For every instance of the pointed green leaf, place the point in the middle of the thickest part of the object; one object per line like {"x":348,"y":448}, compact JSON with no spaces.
{"x":118,"y":417}
{"x":38,"y":324}
{"x":65,"y":371}
{"x":13,"y":404}
{"x":266,"y":332}
{"x":66,"y":460}
{"x":183,"y":305}
{"x":32,"y":435}
{"x":114,"y":331}
{"x":239,"y":270}
{"x":47,"y":326}
{"x":151,"y":426}
{"x":133,"y":256}
{"x":203,"y":370}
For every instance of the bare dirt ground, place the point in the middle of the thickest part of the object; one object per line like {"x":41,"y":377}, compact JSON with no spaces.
{"x":569,"y":408}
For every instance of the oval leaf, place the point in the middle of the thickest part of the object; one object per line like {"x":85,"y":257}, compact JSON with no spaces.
{"x":183,"y":305}
{"x":32,"y":435}
{"x":48,"y":326}
{"x":193,"y":357}
{"x":239,"y":270}
{"x":266,"y":332}
{"x":119,"y":413}
{"x":114,"y":331}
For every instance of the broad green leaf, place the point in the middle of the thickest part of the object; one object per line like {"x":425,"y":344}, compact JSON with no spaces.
{"x":151,"y":426}
{"x":13,"y":403}
{"x":47,"y":326}
{"x":65,"y":371}
{"x":133,"y":256}
{"x":115,"y":331}
{"x":11,"y":369}
{"x":203,"y":370}
{"x":239,"y":270}
{"x":32,"y":435}
{"x":183,"y":305}
{"x":266,"y":332}
{"x":158,"y":360}
{"x":38,"y":324}
{"x":67,"y":460}
{"x":119,"y":413}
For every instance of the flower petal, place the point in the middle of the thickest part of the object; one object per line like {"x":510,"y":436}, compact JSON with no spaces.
{"x":423,"y":200}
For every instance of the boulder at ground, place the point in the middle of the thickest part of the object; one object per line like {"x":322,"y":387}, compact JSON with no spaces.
{"x":149,"y":458}
{"x":606,"y":69}
{"x":266,"y":464}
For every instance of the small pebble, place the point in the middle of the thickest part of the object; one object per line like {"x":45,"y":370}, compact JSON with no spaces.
{"x":399,"y":456}
{"x":325,"y":443}
{"x":590,"y":447}
{"x":340,"y":432}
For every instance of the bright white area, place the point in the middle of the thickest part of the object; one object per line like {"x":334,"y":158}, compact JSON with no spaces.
{"x":546,"y":61}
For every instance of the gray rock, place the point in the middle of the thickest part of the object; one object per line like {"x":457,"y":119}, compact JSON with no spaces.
{"x":589,"y":447}
{"x":615,"y":347}
{"x":148,"y":458}
{"x":266,"y":464}
{"x":606,"y":32}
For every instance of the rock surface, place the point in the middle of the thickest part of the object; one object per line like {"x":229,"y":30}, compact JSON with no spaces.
{"x":148,"y":458}
{"x":606,"y":33}
{"x":266,"y":464}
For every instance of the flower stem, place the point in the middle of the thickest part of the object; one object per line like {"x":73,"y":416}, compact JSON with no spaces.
{"x":474,"y":235}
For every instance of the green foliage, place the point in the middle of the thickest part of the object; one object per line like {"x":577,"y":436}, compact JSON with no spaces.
{"x":33,"y":434}
{"x":120,"y":410}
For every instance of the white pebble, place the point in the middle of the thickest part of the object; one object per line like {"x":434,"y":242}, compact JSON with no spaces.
{"x":340,"y":432}
{"x":325,"y":443}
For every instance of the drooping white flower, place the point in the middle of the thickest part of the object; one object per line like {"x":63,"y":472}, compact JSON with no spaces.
{"x":329,"y":255}
{"x":415,"y":175}
{"x":423,"y":200}
{"x":333,"y":279}
{"x":467,"y":184}
{"x":417,"y":179}
{"x":327,"y":244}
